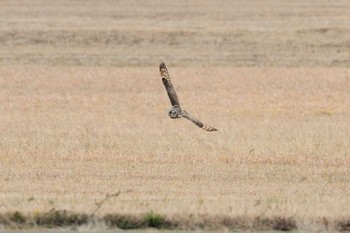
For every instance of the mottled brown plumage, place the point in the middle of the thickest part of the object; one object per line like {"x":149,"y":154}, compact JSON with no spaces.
{"x":168,"y":85}
{"x":175,"y":111}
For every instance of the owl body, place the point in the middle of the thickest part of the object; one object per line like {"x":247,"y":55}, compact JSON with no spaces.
{"x":174,"y":112}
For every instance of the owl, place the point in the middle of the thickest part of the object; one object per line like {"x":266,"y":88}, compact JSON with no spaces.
{"x":176,"y":111}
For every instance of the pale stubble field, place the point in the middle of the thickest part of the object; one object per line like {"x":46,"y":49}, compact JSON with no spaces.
{"x":69,"y":136}
{"x":83,"y":113}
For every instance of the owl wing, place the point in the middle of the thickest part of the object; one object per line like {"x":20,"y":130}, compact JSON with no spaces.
{"x":197,"y":122}
{"x":168,"y":85}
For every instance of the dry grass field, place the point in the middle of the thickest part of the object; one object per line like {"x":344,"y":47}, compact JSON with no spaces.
{"x":83,"y":112}
{"x":199,"y":32}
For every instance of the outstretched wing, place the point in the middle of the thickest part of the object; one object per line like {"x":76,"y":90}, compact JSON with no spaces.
{"x":197,"y":122}
{"x":168,"y":85}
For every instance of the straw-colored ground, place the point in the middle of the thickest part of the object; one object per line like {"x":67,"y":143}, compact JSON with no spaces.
{"x":74,"y":128}
{"x":199,"y":32}
{"x":69,"y":136}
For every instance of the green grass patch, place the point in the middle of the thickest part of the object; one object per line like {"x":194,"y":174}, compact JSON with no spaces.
{"x":60,"y":218}
{"x":17,"y":218}
{"x":155,"y":220}
{"x":122,"y":221}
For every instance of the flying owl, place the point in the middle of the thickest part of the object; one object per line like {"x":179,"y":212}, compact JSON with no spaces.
{"x":176,"y":111}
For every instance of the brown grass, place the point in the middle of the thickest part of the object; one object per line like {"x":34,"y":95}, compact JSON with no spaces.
{"x":200,"y":32}
{"x":69,"y":136}
{"x":272,"y":76}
